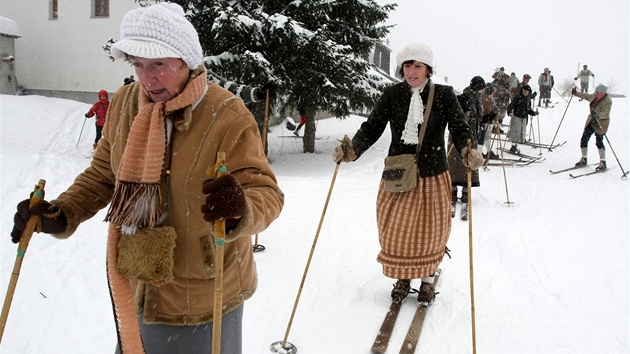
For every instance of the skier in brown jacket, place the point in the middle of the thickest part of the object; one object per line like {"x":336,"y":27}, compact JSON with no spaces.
{"x":162,"y":135}
{"x":596,"y":123}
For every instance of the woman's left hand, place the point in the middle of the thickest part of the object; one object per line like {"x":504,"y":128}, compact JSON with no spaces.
{"x":225,"y":199}
{"x":472,"y":158}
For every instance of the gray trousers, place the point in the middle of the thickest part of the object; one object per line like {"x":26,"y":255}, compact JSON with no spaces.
{"x":172,"y":339}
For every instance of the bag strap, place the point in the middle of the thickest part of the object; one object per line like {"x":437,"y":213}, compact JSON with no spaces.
{"x":427,"y":114}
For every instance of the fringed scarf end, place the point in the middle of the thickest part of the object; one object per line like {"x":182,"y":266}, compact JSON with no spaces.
{"x":135,"y":205}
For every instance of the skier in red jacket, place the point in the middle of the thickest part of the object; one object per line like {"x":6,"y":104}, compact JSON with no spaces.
{"x":100,"y":109}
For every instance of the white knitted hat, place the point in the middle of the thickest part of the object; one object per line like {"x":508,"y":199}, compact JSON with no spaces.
{"x":415,"y":51}
{"x":158,"y":31}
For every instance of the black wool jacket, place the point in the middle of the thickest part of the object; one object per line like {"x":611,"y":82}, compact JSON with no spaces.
{"x":521,"y":106}
{"x":393,"y":107}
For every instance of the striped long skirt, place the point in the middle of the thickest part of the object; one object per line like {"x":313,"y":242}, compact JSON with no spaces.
{"x":414,"y":227}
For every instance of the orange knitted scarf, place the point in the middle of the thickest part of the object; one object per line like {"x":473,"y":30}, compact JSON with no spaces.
{"x":136,"y":200}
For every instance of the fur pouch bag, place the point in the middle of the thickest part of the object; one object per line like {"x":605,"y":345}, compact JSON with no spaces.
{"x":147,"y":255}
{"x":400,"y":173}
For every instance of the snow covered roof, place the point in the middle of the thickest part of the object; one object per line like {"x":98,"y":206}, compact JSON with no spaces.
{"x":9,"y":28}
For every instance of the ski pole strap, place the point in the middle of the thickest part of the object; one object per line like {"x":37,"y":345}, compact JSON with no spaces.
{"x":427,"y":114}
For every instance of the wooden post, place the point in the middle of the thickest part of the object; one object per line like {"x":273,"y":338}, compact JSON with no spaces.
{"x":257,"y":247}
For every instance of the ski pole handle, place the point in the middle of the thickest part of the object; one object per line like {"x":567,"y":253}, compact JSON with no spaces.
{"x":38,"y":195}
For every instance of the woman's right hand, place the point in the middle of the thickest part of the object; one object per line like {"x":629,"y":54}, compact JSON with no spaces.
{"x":53,"y":220}
{"x":344,"y":152}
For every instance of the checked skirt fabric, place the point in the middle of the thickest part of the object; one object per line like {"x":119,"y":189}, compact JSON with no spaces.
{"x":414,"y":227}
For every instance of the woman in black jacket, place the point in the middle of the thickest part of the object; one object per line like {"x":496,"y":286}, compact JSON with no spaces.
{"x":521,"y":106}
{"x":414,"y":226}
{"x":470,"y":101}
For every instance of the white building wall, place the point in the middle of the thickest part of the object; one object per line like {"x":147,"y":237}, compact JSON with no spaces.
{"x":65,"y":54}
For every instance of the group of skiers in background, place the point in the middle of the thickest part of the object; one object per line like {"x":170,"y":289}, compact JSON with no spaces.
{"x":487,"y":104}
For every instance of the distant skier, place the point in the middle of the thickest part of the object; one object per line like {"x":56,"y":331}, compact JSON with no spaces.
{"x":490,"y":114}
{"x":596,"y":122}
{"x":513,"y":80}
{"x":519,"y":109}
{"x":302,"y":112}
{"x":100,"y":110}
{"x":502,"y":98}
{"x":585,"y":76}
{"x":129,"y":80}
{"x":545,"y":83}
{"x":470,"y":102}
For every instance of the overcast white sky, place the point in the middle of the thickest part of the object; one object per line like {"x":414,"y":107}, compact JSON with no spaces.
{"x":471,"y":38}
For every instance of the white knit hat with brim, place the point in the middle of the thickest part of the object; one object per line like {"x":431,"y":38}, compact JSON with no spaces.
{"x":415,"y":51}
{"x":158,"y":31}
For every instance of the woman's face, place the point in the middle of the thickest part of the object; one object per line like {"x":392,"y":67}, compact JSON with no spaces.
{"x":162,"y":78}
{"x":415,"y":73}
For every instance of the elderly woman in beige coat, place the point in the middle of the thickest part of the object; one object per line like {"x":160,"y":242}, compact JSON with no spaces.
{"x":596,"y":123}
{"x":162,"y":135}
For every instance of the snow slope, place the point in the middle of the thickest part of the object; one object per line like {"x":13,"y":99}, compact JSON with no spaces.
{"x":551,"y":270}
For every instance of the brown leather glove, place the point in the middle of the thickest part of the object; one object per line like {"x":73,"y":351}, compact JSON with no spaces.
{"x":225,"y":200}
{"x":52,"y":219}
{"x":344,"y":152}
{"x":472,"y":159}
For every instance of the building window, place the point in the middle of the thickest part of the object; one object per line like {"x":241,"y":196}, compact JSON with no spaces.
{"x":52,"y":9}
{"x":100,"y":8}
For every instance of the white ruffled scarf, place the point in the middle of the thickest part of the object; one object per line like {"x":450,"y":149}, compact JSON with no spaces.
{"x":415,"y":117}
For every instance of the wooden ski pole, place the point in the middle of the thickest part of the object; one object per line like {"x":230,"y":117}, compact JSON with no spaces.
{"x":470,"y":256}
{"x":492,"y":138}
{"x":507,"y":194}
{"x":539,"y":136}
{"x":25,"y":238}
{"x":257,"y":247}
{"x":220,"y":169}
{"x":81,"y":133}
{"x":532,"y":136}
{"x":559,"y":124}
{"x":559,"y":94}
{"x":625,"y":173}
{"x":265,"y":122}
{"x":291,"y":348}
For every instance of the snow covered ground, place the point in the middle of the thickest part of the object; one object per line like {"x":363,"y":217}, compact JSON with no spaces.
{"x":551,"y":270}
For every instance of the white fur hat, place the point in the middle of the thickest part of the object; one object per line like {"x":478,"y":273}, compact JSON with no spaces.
{"x":415,"y":51}
{"x":158,"y":31}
